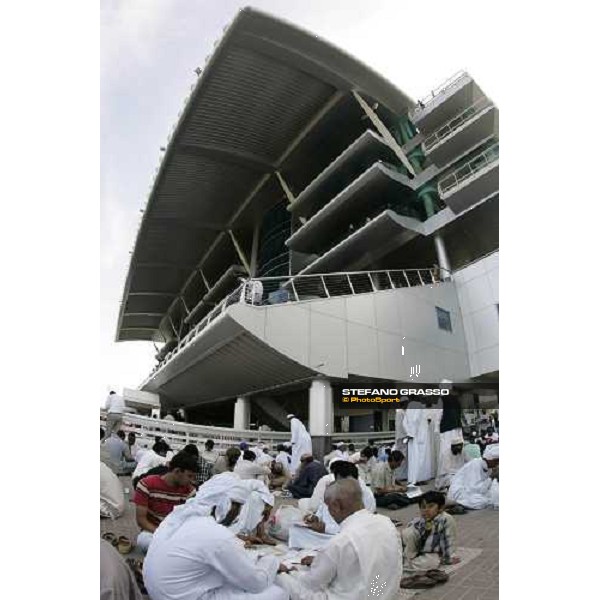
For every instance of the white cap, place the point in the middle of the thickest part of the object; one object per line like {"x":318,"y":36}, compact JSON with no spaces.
{"x":290,"y":416}
{"x":492,"y":452}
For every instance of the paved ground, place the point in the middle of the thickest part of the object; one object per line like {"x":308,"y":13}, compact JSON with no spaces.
{"x":476,"y":580}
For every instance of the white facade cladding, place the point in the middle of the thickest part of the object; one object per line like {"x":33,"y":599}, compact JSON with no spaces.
{"x":478,"y":294}
{"x":364,"y":335}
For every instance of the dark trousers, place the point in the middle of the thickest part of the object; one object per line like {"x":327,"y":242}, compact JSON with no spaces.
{"x":300,"y":491}
{"x":384,"y":500}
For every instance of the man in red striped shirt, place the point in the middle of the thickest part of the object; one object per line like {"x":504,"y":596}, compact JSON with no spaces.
{"x":157,"y":495}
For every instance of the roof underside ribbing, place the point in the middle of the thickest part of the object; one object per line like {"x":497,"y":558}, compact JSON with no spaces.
{"x":266,"y":84}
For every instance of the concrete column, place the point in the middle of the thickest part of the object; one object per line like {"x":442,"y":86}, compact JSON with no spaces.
{"x":442,"y":256}
{"x":254,"y":251}
{"x":241,"y":413}
{"x":320,"y":416}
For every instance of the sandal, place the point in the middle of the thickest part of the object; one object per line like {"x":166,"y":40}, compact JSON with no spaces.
{"x":437,"y":575}
{"x":417,"y":582}
{"x":124,"y":545}
{"x":110,"y":537}
{"x":456,"y":509}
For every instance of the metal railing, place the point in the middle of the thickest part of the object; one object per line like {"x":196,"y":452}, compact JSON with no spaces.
{"x":464,"y":172}
{"x":453,"y":124}
{"x":179,"y":434}
{"x":269,"y":291}
{"x":423,"y":102}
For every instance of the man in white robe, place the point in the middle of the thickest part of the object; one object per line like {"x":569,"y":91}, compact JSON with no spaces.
{"x":194,"y":555}
{"x":112,"y":498}
{"x":319,"y":526}
{"x":401,"y":434}
{"x":362,"y":561}
{"x":301,"y":441}
{"x":452,"y":460}
{"x":419,"y":444}
{"x":473,"y":486}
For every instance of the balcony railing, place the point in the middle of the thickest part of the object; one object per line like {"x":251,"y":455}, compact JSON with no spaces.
{"x":469,"y":169}
{"x":423,"y":102}
{"x":268,"y":291}
{"x":455,"y":123}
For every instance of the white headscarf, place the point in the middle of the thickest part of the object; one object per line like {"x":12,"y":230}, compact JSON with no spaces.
{"x":217,"y":493}
{"x":252,"y":511}
{"x":492,"y":452}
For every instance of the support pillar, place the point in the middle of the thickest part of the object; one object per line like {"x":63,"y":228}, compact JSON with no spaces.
{"x":320,"y":416}
{"x":442,"y":256}
{"x":254,"y":251}
{"x":241,"y":413}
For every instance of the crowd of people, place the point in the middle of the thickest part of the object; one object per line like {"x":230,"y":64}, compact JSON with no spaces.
{"x":203,"y":515}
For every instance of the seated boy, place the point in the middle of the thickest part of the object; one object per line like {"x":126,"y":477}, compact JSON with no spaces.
{"x":430,"y":540}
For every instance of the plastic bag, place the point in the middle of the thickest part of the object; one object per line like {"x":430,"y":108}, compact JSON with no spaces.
{"x":280,"y":522}
{"x":495,"y":494}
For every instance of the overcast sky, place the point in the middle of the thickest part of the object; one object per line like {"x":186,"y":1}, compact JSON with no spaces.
{"x":149,"y":49}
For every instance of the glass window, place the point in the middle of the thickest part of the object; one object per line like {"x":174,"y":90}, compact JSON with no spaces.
{"x":443,"y":317}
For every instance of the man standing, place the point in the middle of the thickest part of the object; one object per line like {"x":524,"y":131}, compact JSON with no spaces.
{"x":401,"y":435}
{"x":301,"y":441}
{"x":362,"y":561}
{"x":115,"y":407}
{"x":157,"y":495}
{"x":419,"y":443}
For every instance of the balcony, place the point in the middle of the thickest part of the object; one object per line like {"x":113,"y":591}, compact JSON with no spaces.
{"x":444,"y":102}
{"x":359,"y":156}
{"x":472,"y":181}
{"x":467,"y":129}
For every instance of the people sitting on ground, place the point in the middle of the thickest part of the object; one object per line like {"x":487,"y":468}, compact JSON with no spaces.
{"x":155,"y":457}
{"x":263,"y":458}
{"x":319,"y":526}
{"x":134,"y":448}
{"x":227,"y":461}
{"x":341,"y":469}
{"x":472,"y":449}
{"x":279,"y":477}
{"x":251,"y":524}
{"x":247,"y":468}
{"x":388,"y":493}
{"x":334,"y":453}
{"x":283,"y":458}
{"x":430,"y":540}
{"x":205,"y":469}
{"x":450,"y":463}
{"x":112,"y":498}
{"x":306,"y":479}
{"x":384,"y":453}
{"x":360,"y":562}
{"x":195,"y":555}
{"x":365,"y":461}
{"x":117,"y":581}
{"x":475,"y":486}
{"x":115,"y":454}
{"x":491,"y":437}
{"x":157,"y":495}
{"x":209,"y":454}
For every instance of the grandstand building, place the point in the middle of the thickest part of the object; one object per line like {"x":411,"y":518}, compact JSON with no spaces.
{"x":311,"y":225}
